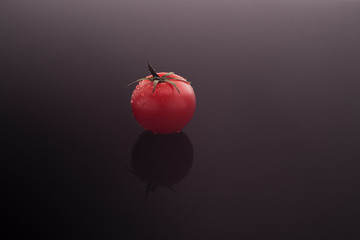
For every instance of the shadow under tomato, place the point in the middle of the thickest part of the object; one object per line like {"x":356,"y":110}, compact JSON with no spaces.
{"x":161,"y":160}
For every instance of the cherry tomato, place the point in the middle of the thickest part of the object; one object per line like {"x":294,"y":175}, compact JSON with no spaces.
{"x":163,"y":102}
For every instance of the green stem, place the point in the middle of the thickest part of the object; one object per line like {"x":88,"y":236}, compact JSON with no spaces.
{"x":151,"y":69}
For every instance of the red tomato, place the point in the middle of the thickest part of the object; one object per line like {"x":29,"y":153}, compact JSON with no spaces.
{"x":163,"y":102}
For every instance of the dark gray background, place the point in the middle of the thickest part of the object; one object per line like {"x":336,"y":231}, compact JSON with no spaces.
{"x":275,"y":135}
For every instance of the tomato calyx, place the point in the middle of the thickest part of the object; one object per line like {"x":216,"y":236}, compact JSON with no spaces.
{"x":155,"y":78}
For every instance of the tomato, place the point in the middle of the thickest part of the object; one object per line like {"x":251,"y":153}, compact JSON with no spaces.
{"x":163,"y":102}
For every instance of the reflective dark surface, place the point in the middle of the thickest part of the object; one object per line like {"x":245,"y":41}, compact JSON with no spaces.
{"x":161,"y":160}
{"x":271,"y":153}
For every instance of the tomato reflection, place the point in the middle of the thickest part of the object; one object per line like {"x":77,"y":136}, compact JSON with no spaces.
{"x":161,"y":160}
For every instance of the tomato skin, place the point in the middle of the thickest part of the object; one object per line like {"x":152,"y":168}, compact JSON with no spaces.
{"x":165,"y":110}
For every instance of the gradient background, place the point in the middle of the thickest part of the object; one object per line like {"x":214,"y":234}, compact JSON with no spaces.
{"x":274,"y":140}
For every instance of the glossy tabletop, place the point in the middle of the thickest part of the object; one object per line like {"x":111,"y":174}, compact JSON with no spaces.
{"x":272,"y":151}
